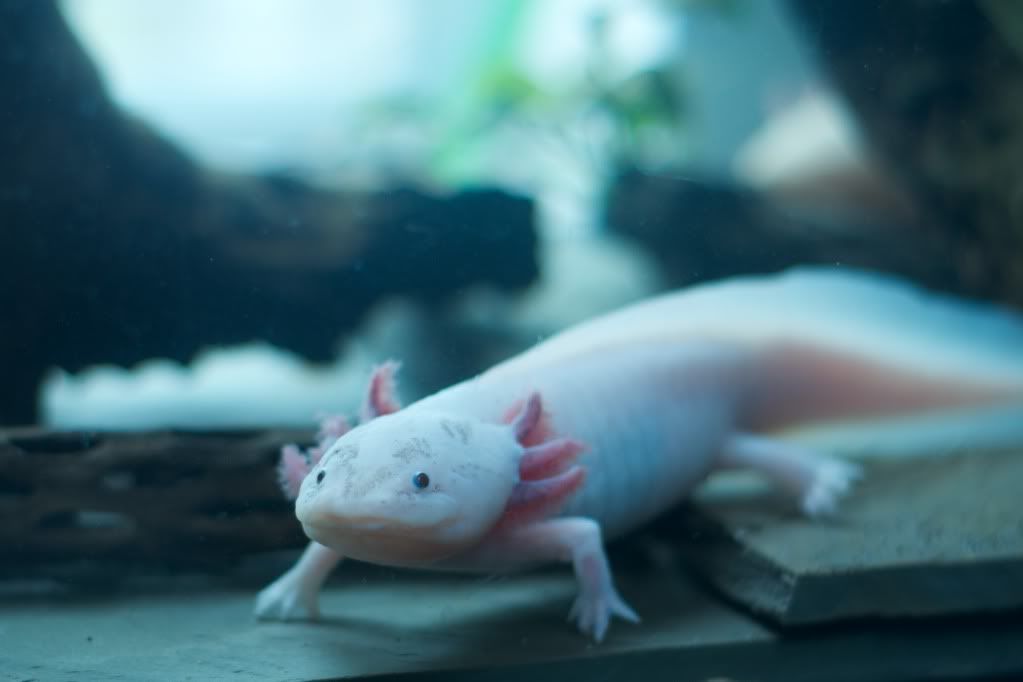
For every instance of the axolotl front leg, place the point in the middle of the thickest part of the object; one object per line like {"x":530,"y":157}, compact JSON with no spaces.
{"x":527,"y":535}
{"x":295,"y":595}
{"x":576,"y":540}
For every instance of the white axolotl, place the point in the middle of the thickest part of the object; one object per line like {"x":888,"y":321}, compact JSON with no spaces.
{"x":601,"y":427}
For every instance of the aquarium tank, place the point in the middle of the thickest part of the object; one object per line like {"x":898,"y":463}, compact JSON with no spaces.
{"x":511,"y":339}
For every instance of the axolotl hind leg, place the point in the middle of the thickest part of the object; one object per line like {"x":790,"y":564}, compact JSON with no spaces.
{"x":815,"y":480}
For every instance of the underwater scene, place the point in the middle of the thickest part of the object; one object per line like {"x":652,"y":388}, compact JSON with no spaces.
{"x":511,"y":339}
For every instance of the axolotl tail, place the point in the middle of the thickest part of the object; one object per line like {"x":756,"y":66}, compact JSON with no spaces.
{"x":839,"y":344}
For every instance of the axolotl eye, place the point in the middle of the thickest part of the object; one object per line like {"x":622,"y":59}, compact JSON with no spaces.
{"x":420,"y":480}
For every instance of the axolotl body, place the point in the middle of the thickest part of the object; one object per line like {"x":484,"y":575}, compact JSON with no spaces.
{"x":605,"y":425}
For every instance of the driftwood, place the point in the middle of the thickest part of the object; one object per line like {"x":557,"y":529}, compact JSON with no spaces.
{"x":700,"y":230}
{"x":937,"y":88}
{"x":97,"y":506}
{"x":116,"y":247}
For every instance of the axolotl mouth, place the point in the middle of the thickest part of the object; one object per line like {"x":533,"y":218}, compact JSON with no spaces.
{"x":369,"y":515}
{"x":393,"y":534}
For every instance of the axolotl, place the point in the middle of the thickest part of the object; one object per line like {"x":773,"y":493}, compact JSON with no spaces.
{"x":599,"y":428}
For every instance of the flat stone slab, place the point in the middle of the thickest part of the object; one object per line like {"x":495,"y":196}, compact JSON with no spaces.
{"x":919,"y":536}
{"x":394,"y":625}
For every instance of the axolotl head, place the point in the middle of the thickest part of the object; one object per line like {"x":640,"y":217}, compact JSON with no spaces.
{"x":415,"y":487}
{"x":409,"y":487}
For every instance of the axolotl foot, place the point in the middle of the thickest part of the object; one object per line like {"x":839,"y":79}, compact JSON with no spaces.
{"x":817,"y":482}
{"x":576,"y":540}
{"x":294,"y":595}
{"x":593,"y":609}
{"x":829,"y":481}
{"x":284,"y":599}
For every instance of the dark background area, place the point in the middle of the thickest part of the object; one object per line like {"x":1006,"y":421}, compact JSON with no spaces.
{"x":115,"y":247}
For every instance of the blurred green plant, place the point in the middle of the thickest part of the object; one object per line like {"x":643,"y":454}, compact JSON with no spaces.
{"x":642,"y":114}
